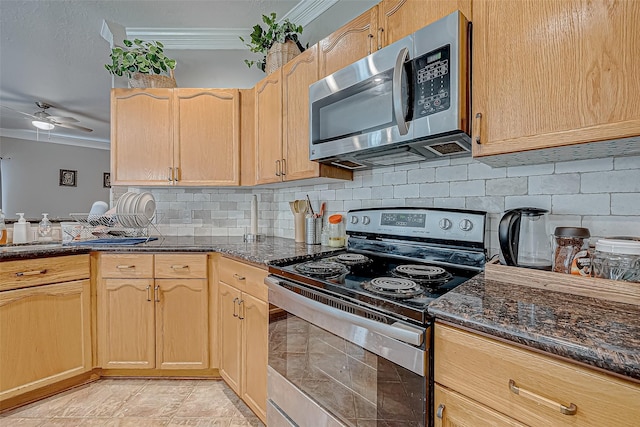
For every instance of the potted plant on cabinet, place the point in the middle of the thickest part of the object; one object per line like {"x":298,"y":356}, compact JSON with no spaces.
{"x":143,"y":63}
{"x":279,"y":43}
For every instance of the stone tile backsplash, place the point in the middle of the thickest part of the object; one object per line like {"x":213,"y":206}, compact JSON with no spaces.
{"x":600,"y":194}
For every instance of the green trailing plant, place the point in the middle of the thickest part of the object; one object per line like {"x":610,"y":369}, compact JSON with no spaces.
{"x":262,"y":39}
{"x":139,"y":56}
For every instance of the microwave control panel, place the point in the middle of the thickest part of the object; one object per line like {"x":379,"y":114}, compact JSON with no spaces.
{"x":432,"y":82}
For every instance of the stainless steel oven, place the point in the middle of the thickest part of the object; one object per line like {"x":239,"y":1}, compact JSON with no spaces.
{"x":349,"y":333}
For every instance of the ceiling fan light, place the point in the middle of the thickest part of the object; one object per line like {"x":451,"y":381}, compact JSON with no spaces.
{"x":42,"y":125}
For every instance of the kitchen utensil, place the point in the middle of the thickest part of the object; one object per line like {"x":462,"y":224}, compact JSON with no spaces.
{"x":523,"y":238}
{"x":309,"y":206}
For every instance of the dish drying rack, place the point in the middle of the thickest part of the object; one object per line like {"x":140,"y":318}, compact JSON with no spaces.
{"x":116,"y":226}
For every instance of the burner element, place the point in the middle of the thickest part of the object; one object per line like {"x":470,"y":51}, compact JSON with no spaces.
{"x":395,"y":287}
{"x":423,"y":274}
{"x":351,"y":259}
{"x":322,"y":269}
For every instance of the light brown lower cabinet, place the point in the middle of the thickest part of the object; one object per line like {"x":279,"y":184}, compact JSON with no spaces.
{"x":45,"y":325}
{"x":481,"y":381}
{"x":156,"y":319}
{"x":243,"y":336}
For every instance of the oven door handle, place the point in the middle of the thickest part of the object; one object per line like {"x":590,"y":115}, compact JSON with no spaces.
{"x":288,"y":301}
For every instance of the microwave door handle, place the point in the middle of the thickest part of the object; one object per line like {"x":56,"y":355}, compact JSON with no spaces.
{"x":398,"y":111}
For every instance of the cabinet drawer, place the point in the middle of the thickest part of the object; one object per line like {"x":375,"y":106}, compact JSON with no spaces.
{"x":244,"y":277}
{"x":170,"y":266}
{"x":126,"y":265}
{"x":40,"y":271}
{"x":530,"y":387}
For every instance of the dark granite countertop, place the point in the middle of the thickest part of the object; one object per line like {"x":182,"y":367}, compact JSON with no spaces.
{"x":271,"y":248}
{"x":596,"y":332}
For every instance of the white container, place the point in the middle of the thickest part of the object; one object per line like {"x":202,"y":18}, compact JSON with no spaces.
{"x":21,"y":230}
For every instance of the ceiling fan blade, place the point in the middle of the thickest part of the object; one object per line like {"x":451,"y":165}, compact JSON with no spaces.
{"x":21,"y":112}
{"x":63,"y":119}
{"x":72,"y":126}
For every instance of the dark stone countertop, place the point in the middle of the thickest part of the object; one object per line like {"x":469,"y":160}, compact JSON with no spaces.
{"x":271,"y":248}
{"x":596,"y":332}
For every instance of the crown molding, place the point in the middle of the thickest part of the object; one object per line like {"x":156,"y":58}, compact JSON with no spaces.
{"x":223,"y":38}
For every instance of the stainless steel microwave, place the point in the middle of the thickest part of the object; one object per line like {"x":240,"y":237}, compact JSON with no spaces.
{"x":406,"y":102}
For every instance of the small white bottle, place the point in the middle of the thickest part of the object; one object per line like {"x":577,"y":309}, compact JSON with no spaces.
{"x":44,"y":229}
{"x":21,"y":230}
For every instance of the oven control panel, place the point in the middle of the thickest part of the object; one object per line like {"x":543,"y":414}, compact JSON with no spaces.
{"x":431,"y":223}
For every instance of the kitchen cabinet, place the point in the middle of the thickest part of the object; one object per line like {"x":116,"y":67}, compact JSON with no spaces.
{"x":153,"y":311}
{"x":243,"y":335}
{"x":182,"y":137}
{"x":554,"y":74}
{"x":45,"y":326}
{"x":282,"y":124}
{"x":383,"y":24}
{"x":484,"y":379}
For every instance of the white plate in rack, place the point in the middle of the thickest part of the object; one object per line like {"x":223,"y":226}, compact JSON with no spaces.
{"x":146,"y":208}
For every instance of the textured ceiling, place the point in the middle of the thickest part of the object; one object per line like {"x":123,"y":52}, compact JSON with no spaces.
{"x":52,"y":51}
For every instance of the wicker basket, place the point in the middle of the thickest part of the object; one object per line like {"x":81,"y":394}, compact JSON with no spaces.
{"x":140,"y":80}
{"x":279,"y":54}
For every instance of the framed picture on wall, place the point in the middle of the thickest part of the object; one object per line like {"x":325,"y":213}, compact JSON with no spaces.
{"x":106,"y":180}
{"x":68,"y":178}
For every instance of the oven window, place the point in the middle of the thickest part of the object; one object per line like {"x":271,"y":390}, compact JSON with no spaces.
{"x":355,"y":385}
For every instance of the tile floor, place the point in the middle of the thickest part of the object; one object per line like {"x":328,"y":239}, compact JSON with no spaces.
{"x":138,"y":403}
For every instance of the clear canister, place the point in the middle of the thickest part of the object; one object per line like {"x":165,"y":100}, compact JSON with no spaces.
{"x":336,"y":231}
{"x":617,"y":258}
{"x":571,"y":251}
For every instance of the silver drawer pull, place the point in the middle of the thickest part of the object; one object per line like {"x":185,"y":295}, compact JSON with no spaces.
{"x":31,"y":273}
{"x":566,"y":410}
{"x":180,"y":267}
{"x":238,"y":277}
{"x":125,"y":267}
{"x":440,"y":411}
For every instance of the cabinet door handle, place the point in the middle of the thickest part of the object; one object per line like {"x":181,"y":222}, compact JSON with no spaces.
{"x":241,"y":303}
{"x":157,"y":293}
{"x":370,"y":46}
{"x":478,"y":122}
{"x":440,"y":411}
{"x":176,"y":177}
{"x":148,"y":292}
{"x":170,"y":177}
{"x":238,"y":277}
{"x":566,"y":410}
{"x":125,"y":267}
{"x":277,"y":167}
{"x":380,"y":31}
{"x":284,"y":167}
{"x":235,"y":300}
{"x":31,"y":273}
{"x":180,"y":267}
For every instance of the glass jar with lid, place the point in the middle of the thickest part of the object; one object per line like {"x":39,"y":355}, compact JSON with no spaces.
{"x":571,"y":251}
{"x":336,"y":231}
{"x":617,"y":258}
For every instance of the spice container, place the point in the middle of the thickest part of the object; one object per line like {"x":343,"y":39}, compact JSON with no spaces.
{"x":617,"y":258}
{"x":571,"y":251}
{"x":336,"y":231}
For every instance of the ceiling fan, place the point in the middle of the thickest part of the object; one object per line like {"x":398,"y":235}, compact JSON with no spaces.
{"x":44,"y":121}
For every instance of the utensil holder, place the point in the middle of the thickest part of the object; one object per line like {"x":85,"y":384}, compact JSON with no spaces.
{"x":298,"y":222}
{"x":313,"y":234}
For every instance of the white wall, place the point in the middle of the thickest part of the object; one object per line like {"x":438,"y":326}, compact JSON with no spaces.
{"x":30,"y":177}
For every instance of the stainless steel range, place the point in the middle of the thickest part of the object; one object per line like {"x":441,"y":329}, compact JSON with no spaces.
{"x":349,"y":332}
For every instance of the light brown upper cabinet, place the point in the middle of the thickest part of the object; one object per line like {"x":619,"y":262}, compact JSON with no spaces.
{"x":380,"y":26}
{"x":554,"y":73}
{"x":282,"y":124}
{"x":182,"y":137}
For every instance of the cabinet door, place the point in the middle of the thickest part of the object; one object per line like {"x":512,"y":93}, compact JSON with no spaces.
{"x":248,"y":137}
{"x":554,"y":73}
{"x":399,"y":18}
{"x":126,"y":325}
{"x":269,"y":128}
{"x":297,"y":75}
{"x":141,"y":136}
{"x":230,"y":336}
{"x":454,"y":410}
{"x":182,"y":324}
{"x":206,"y":136}
{"x":45,"y":336}
{"x":351,"y":42}
{"x":255,"y":327}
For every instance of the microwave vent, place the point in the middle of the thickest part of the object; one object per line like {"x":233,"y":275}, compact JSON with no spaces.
{"x":391,"y":158}
{"x":447,"y":148}
{"x":348,"y":164}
